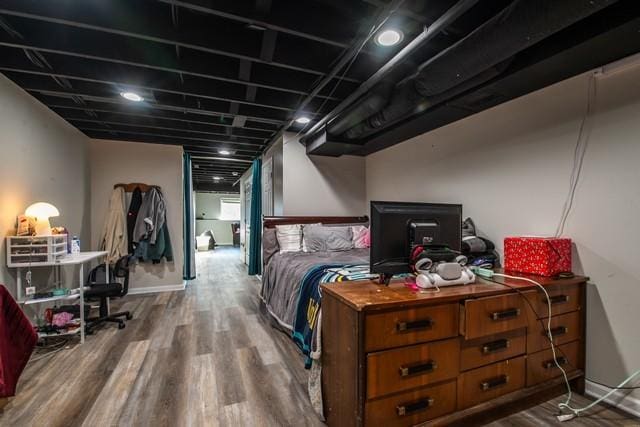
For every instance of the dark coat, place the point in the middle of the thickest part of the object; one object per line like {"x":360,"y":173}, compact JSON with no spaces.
{"x":132,"y":216}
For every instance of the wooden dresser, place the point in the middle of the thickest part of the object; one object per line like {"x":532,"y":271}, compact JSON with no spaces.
{"x":396,"y":357}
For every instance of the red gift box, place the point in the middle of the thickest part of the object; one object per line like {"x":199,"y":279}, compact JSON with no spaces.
{"x":545,"y":256}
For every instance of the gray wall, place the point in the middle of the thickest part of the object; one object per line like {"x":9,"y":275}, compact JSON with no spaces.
{"x":275,"y":152}
{"x":115,"y":162}
{"x":510,"y":167}
{"x":43,"y":159}
{"x":209,"y":204}
{"x":314,"y":185}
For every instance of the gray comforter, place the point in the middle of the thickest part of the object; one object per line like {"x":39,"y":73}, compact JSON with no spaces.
{"x":283,"y":275}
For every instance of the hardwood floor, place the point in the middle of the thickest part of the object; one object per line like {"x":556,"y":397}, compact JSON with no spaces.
{"x":203,"y":356}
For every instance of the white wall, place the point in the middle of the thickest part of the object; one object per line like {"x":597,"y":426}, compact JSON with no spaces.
{"x":209,"y":205}
{"x":43,"y":159}
{"x":115,"y":162}
{"x":510,"y":167}
{"x":314,"y":185}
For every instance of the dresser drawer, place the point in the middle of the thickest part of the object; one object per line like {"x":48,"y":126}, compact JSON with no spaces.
{"x":565,"y":328}
{"x":405,"y":368}
{"x":413,"y":407}
{"x":486,"y":350}
{"x":564,"y":299}
{"x":541,"y":366}
{"x":410,"y":326}
{"x":489,"y":382}
{"x":493,"y":315}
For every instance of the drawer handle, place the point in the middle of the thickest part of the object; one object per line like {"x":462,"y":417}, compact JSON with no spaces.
{"x":550,"y":364}
{"x":494,"y":382}
{"x":556,"y":332}
{"x":413,"y":407}
{"x":419,"y":368}
{"x":493,"y":346}
{"x":505,"y":315}
{"x":557,"y":299}
{"x":415,"y":325}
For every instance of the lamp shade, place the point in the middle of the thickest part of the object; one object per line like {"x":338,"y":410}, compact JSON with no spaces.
{"x":42,"y":212}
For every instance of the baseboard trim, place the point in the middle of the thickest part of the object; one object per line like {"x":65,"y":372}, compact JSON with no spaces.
{"x":156,"y":289}
{"x":620,"y":398}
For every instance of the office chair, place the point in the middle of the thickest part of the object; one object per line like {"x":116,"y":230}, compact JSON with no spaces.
{"x":104,"y":291}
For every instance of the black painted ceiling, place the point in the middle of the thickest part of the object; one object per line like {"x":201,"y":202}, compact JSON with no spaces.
{"x":233,"y":74}
{"x":215,"y":74}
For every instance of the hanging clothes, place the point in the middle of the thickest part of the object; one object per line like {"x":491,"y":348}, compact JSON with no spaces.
{"x":147,"y":252}
{"x":151,"y":231}
{"x":132,"y":216}
{"x":114,"y":232}
{"x":151,"y":217}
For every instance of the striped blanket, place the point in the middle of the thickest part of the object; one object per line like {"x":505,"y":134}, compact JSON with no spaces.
{"x":306,"y":325}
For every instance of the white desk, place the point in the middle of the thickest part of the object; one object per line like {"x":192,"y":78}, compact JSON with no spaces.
{"x":72,"y":259}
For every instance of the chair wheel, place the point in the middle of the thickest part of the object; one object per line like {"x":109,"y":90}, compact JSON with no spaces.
{"x":121,"y":325}
{"x":129,"y":317}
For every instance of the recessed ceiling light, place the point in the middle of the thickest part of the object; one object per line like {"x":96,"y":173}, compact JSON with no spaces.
{"x":303,"y":120}
{"x":216,"y":178}
{"x":224,"y":152}
{"x":234,"y":173}
{"x":389,"y":37}
{"x":131,"y":96}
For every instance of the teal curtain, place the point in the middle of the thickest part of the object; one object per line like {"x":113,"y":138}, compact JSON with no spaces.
{"x":189,"y":271}
{"x":255,"y":239}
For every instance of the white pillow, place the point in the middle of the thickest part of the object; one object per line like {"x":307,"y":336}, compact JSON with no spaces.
{"x":289,"y":237}
{"x":360,"y":236}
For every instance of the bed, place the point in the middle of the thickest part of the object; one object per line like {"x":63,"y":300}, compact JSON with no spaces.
{"x":289,"y":278}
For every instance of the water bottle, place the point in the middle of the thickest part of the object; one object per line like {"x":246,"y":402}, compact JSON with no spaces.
{"x":75,"y":245}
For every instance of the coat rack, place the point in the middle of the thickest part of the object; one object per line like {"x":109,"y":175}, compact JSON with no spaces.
{"x":129,"y":188}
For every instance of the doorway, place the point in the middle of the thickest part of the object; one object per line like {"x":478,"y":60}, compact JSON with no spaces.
{"x":246,"y":221}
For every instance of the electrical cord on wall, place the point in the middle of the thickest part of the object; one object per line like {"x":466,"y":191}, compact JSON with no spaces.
{"x":566,"y":404}
{"x":578,"y":156}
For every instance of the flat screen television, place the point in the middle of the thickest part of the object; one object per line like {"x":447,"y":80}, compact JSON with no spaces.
{"x":396,"y":225}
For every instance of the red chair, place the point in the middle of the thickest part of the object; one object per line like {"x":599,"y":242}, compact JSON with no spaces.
{"x":18,"y":338}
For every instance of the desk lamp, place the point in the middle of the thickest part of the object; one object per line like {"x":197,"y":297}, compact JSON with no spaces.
{"x":42,"y":212}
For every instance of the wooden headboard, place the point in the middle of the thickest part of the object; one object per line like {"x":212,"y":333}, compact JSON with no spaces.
{"x":272,"y":221}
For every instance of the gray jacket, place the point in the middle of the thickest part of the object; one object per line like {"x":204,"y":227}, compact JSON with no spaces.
{"x":151,"y":217}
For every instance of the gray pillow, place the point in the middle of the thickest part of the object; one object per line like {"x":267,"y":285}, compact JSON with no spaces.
{"x":339,"y":239}
{"x":314,"y":237}
{"x":319,"y":238}
{"x":269,"y":244}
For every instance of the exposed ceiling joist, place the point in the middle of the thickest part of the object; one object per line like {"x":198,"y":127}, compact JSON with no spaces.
{"x":145,"y":88}
{"x":147,"y":65}
{"x":155,"y":117}
{"x":160,"y":36}
{"x":238,"y":139}
{"x":174,"y":138}
{"x":101,"y":99}
{"x":258,"y":23}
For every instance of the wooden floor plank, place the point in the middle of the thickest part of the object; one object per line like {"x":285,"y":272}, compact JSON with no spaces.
{"x":203,"y":407}
{"x":111,"y":400}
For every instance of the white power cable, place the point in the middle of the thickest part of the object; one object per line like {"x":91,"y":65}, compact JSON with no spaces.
{"x":574,"y":411}
{"x":578,"y":155}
